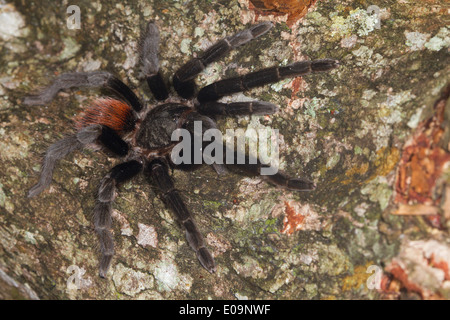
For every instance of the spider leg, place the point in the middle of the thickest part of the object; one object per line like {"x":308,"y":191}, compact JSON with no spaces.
{"x":193,"y":123}
{"x":237,"y":108}
{"x":103,"y":208}
{"x":254,"y":167}
{"x":159,"y":172}
{"x":262,"y":77}
{"x":280,"y":179}
{"x":94,"y":79}
{"x":113,"y":142}
{"x":85,"y":136}
{"x":150,"y":62}
{"x":250,"y":165}
{"x":183,"y":79}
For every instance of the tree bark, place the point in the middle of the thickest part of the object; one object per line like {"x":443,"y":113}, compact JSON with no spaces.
{"x":372,"y":134}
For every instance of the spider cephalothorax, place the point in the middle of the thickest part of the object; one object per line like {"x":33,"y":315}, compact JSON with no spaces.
{"x":128,"y":128}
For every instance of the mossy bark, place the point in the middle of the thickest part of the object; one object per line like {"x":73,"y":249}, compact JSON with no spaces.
{"x":345,"y":130}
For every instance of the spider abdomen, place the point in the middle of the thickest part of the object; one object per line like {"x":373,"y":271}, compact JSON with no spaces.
{"x":157,"y":127}
{"x":109,"y":112}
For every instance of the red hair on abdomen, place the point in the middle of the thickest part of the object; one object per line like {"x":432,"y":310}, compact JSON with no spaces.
{"x":110,"y":112}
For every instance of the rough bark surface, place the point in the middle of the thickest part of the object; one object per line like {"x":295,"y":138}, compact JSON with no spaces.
{"x":348,"y":130}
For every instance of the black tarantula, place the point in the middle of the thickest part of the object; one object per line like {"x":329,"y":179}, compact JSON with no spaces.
{"x":128,"y":128}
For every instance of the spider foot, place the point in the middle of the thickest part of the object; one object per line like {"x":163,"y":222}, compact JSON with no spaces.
{"x":103,"y":209}
{"x":54,"y":153}
{"x":300,"y":185}
{"x":295,"y":184}
{"x":206,"y":259}
{"x":105,"y":262}
{"x":324,"y":65}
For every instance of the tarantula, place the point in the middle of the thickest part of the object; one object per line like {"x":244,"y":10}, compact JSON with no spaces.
{"x":125,"y":126}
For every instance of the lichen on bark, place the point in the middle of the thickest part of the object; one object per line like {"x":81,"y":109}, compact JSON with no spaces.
{"x":346,"y":130}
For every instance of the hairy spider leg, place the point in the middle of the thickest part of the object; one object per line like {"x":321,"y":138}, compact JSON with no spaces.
{"x":59,"y":150}
{"x":233,"y":109}
{"x":113,"y":142}
{"x":91,"y":134}
{"x":102,"y":122}
{"x":197,"y":149}
{"x":54,"y":153}
{"x":253,"y":166}
{"x":158,"y":171}
{"x":148,"y":48}
{"x":183,"y":79}
{"x":103,"y":208}
{"x":262,"y":77}
{"x":94,"y":79}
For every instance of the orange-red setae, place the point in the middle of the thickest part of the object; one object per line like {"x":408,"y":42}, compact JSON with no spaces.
{"x":113,"y":113}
